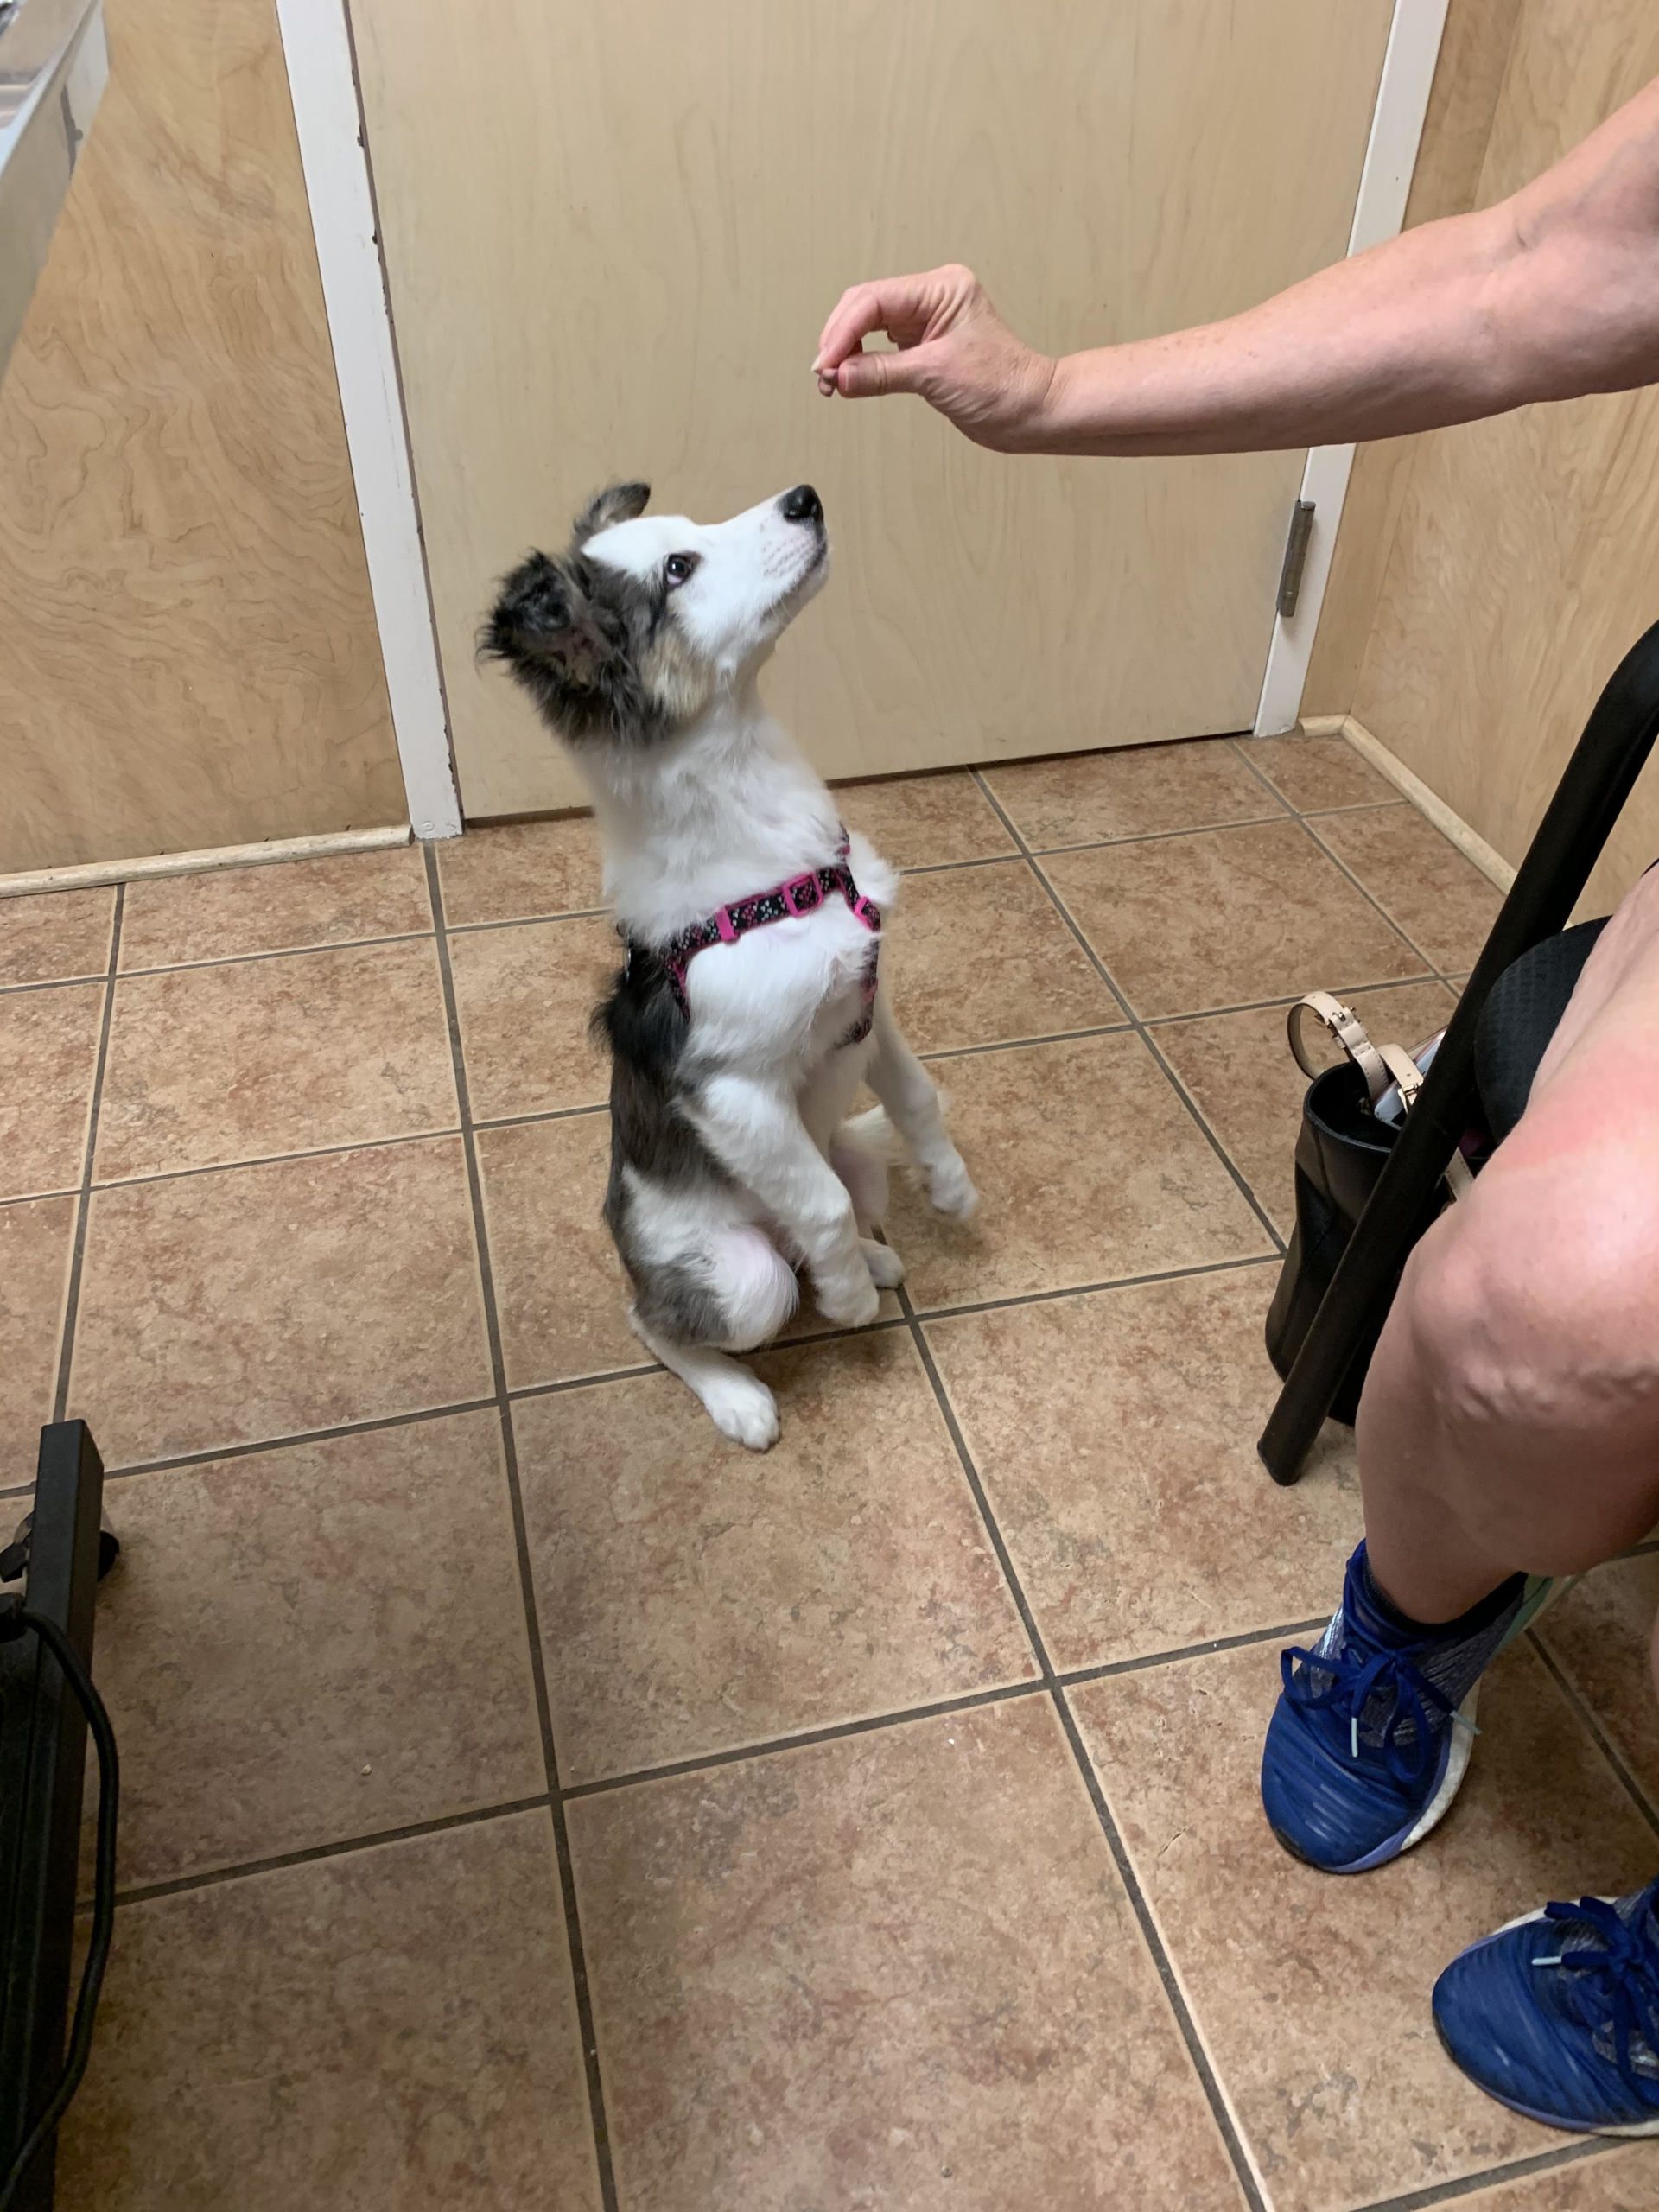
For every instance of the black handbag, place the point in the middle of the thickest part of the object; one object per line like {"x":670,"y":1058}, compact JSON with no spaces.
{"x":1343,"y":1143}
{"x":1347,"y":1129}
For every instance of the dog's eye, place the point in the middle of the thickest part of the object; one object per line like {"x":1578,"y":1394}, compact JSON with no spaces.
{"x":678,"y":567}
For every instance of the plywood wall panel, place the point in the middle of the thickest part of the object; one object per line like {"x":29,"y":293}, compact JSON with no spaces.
{"x":1526,"y":557}
{"x":187,"y":651}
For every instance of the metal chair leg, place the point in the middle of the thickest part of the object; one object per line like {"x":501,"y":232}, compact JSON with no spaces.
{"x":1605,"y":763}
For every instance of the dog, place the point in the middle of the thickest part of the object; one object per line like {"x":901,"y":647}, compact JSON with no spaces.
{"x":750,"y":1008}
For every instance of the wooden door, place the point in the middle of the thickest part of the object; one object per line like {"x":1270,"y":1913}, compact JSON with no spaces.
{"x":614,"y":231}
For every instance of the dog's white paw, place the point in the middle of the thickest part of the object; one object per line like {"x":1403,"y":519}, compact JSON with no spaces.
{"x":886,"y":1268}
{"x":950,"y":1191}
{"x":851,"y":1306}
{"x":743,"y":1408}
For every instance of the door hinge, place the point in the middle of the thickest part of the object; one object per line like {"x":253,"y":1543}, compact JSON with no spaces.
{"x":1290,"y":576}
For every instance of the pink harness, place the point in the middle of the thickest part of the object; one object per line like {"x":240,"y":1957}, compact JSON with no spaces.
{"x":801,"y":894}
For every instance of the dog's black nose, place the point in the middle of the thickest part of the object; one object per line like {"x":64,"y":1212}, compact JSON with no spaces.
{"x":802,"y":504}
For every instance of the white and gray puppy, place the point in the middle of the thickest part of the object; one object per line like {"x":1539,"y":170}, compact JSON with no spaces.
{"x":734,"y":1163}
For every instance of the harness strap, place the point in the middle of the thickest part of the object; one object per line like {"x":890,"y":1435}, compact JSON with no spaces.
{"x":801,"y":895}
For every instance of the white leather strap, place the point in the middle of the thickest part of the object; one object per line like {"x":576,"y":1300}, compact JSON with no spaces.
{"x":1380,"y":1065}
{"x":1350,"y":1031}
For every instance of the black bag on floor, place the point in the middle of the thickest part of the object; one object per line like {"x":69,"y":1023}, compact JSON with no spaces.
{"x":1340,"y":1151}
{"x":1347,"y":1131}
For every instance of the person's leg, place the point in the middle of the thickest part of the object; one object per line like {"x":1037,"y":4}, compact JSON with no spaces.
{"x":1509,"y":1429}
{"x":1510,"y":1420}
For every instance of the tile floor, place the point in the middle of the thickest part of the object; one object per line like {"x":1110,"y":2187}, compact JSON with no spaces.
{"x":533,"y":1801}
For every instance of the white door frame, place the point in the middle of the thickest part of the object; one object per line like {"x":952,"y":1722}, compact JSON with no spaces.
{"x":327,"y":117}
{"x":1403,"y":93}
{"x":322,"y":84}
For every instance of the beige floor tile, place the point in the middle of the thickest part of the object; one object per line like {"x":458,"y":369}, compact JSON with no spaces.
{"x":48,"y":1051}
{"x":524,"y":995}
{"x":1088,"y":1167}
{"x":926,"y":821}
{"x":55,"y":936}
{"x":895,"y":1970}
{"x":1189,"y":924}
{"x":1115,"y":1436}
{"x":1239,"y":1068}
{"x":283,"y":906}
{"x":520,"y":869}
{"x":1344,"y":2102}
{"x":978,"y":955}
{"x":693,"y":1596}
{"x":36,"y":1238}
{"x":254,"y":1057}
{"x":560,"y":1291}
{"x":1316,"y":773}
{"x":262,"y":1301}
{"x":1605,"y":2181}
{"x":1439,"y":899}
{"x":391,"y":2029}
{"x":1600,"y":1635}
{"x":1140,"y":791}
{"x":320,"y":1642}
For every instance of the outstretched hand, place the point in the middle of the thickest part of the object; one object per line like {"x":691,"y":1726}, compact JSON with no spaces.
{"x":953,"y":349}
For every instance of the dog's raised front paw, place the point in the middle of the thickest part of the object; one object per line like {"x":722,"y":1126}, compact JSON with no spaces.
{"x":886,"y":1268}
{"x":743,"y":1408}
{"x":950,"y":1191}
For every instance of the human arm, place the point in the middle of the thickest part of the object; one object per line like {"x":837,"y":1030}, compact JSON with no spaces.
{"x":1550,"y":294}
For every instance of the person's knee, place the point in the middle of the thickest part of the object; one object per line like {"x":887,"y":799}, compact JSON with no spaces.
{"x":1532,"y":1319}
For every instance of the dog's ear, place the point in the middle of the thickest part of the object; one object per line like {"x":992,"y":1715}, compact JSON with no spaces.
{"x":616,"y":503}
{"x":545,"y":625}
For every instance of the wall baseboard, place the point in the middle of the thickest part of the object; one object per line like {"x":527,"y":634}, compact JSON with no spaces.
{"x":1487,"y":858}
{"x":88,"y":874}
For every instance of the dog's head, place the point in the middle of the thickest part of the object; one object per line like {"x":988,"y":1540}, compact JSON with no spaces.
{"x":641,"y":624}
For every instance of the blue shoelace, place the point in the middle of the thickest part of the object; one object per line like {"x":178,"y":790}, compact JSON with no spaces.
{"x":1627,"y":1982}
{"x":1355,"y":1674}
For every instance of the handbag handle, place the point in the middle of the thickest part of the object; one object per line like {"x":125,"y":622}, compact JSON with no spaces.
{"x":1380,"y":1065}
{"x":1350,"y":1031}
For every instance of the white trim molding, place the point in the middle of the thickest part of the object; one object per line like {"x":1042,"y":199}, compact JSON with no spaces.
{"x":81,"y":875}
{"x":322,"y":84}
{"x":1403,"y":93}
{"x":1469,"y":842}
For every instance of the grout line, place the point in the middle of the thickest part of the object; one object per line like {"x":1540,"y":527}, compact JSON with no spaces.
{"x":51,"y":983}
{"x":526,"y":1575}
{"x":520,"y":1391}
{"x":274,"y":1159}
{"x":1158,"y":837}
{"x":211,"y":1454}
{"x":804,"y":1740}
{"x":528,"y":921}
{"x":1020,"y":1043}
{"x":948,"y":868}
{"x":1221,"y":2111}
{"x":1370,"y":896}
{"x":1337,"y":859}
{"x":1269,"y":1005}
{"x":1587,"y":1719}
{"x":276,"y":952}
{"x":326,"y":1151}
{"x":1448,"y":2192}
{"x":1084,"y":1289}
{"x":1074,"y":1677}
{"x":548,"y":1114}
{"x":212,"y":1876}
{"x":1139,"y":1025}
{"x":83,"y":1208}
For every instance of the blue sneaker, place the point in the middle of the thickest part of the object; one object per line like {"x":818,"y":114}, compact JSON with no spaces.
{"x":1557,"y":2015}
{"x":1371,"y":1739}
